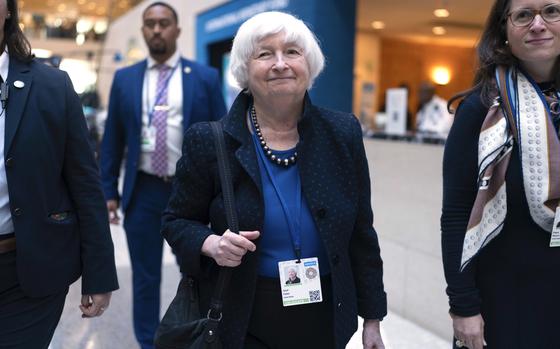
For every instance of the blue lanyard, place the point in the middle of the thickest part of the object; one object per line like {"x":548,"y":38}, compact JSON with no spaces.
{"x":294,"y":221}
{"x":159,"y":95}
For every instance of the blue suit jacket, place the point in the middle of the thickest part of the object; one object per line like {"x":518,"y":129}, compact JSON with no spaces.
{"x":202,"y":101}
{"x":335,"y":182}
{"x":58,"y":210}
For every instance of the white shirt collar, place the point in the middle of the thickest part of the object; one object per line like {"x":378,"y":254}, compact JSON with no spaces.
{"x":171,"y":62}
{"x":4,"y":65}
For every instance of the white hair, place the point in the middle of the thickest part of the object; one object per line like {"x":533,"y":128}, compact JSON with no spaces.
{"x":263,"y":25}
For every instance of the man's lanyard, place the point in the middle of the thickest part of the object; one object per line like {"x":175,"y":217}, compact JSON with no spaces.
{"x":294,"y":220}
{"x":160,"y":94}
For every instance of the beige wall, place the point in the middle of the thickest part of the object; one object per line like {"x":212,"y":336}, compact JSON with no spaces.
{"x":124,"y":36}
{"x":410,"y":62}
{"x":367,"y":66}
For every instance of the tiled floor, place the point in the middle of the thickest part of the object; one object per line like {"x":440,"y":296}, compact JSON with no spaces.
{"x":114,"y":329}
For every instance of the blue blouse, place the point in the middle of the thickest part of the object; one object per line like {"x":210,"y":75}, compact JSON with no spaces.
{"x":276,"y":241}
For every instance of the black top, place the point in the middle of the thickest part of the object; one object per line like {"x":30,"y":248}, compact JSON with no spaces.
{"x":519,"y":252}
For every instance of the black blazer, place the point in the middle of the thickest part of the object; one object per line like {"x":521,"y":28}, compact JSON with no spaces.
{"x":50,"y":169}
{"x":335,"y":182}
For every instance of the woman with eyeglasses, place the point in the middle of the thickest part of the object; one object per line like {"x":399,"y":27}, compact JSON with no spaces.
{"x":501,"y":186}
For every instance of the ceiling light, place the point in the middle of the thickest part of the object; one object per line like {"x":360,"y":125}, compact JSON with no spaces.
{"x":84,"y":25}
{"x":61,"y":7}
{"x":91,"y":6}
{"x":82,"y":2}
{"x":441,"y":13}
{"x":100,"y":27}
{"x":378,"y":25}
{"x":439,"y":30}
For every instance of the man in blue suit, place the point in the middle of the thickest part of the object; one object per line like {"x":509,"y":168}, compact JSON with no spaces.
{"x":152,"y":103}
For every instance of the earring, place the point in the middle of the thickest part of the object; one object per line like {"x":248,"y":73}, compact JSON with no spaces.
{"x":8,"y":15}
{"x":507,"y":42}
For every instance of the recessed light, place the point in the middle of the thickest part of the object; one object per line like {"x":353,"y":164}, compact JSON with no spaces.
{"x":441,"y":13}
{"x":439,"y":30}
{"x":378,"y":25}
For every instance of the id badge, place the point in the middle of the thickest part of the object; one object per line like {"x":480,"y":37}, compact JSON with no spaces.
{"x":148,"y":139}
{"x":555,"y":236}
{"x":300,"y":282}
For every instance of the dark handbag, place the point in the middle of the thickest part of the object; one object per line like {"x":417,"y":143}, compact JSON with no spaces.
{"x":183,"y":326}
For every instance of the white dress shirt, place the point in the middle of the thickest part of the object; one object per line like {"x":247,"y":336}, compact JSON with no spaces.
{"x":174,"y":113}
{"x":6,"y":224}
{"x":434,"y":118}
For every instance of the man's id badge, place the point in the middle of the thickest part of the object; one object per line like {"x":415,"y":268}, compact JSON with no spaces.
{"x":148,"y":140}
{"x":555,"y":236}
{"x":300,"y":282}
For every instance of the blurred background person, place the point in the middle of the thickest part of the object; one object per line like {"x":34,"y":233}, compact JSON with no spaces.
{"x":432,"y":116}
{"x":151,"y":105}
{"x":284,"y":152}
{"x":501,"y":187}
{"x":53,"y":222}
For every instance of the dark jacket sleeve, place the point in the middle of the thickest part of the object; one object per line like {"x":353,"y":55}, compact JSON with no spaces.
{"x":113,"y":144}
{"x":81,"y":175}
{"x":460,"y":169}
{"x":185,"y":220}
{"x":365,"y":257}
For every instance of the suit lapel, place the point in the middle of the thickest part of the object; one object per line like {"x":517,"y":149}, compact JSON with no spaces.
{"x":17,"y":98}
{"x":236,"y":126}
{"x":137,"y":90}
{"x":188,"y":90}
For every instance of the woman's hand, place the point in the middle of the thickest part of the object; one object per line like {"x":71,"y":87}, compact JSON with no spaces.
{"x":469,"y":330}
{"x":371,"y":336}
{"x":228,"y":249}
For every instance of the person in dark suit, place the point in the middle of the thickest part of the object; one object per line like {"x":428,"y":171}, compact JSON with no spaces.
{"x":151,"y":105}
{"x":302,"y":190}
{"x":53,"y":221}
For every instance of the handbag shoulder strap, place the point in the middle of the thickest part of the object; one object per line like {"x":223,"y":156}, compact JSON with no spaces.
{"x":225,"y":177}
{"x":224,"y":276}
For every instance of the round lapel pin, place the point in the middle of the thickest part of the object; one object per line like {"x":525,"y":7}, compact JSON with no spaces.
{"x":19,"y":84}
{"x":187,"y":70}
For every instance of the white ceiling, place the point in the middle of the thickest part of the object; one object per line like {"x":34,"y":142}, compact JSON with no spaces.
{"x":414,"y":19}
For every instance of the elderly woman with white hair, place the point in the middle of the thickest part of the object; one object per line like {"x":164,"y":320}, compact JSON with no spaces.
{"x":302,"y":190}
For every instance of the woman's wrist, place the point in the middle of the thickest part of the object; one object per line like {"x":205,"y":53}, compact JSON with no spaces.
{"x":208,"y":246}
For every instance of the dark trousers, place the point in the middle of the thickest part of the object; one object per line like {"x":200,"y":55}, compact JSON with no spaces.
{"x":273,"y":326}
{"x":142,"y":222}
{"x":25,"y":322}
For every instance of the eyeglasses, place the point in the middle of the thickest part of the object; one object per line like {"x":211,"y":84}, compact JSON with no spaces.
{"x":525,"y":16}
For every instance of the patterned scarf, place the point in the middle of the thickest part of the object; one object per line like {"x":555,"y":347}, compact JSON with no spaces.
{"x":520,"y":115}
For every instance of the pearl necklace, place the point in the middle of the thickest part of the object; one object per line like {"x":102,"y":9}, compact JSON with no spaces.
{"x":275,"y":159}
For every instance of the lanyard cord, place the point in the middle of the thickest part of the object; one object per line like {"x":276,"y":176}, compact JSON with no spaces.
{"x":294,"y":221}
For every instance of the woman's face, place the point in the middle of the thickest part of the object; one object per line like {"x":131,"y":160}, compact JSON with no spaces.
{"x":536,"y":45}
{"x":278,"y":68}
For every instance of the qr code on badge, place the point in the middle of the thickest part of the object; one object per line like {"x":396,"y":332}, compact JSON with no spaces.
{"x":315,"y":296}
